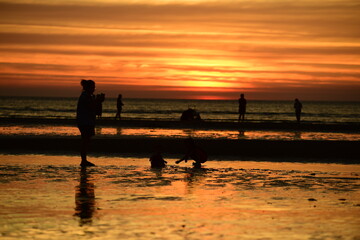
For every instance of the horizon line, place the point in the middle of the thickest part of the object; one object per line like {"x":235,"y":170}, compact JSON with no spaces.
{"x":190,"y":99}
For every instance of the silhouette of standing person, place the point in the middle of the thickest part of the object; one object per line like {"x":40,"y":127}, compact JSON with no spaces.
{"x":85,"y":117}
{"x":195,"y":153}
{"x":119,"y":105}
{"x":100,"y":98}
{"x":297,"y":107}
{"x":242,"y":108}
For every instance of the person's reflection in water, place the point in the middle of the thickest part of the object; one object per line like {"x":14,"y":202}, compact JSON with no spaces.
{"x":85,"y":198}
{"x":157,"y":171}
{"x":297,"y":135}
{"x":98,"y":130}
{"x":189,"y":132}
{"x":119,"y":131}
{"x":194,"y":177}
{"x":241,"y":134}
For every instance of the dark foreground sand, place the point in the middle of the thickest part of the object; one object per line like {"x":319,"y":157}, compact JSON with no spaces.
{"x":323,"y":151}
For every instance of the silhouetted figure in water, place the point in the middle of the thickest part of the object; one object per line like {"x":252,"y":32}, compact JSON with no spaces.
{"x":85,"y":204}
{"x":100,"y":98}
{"x":195,"y":153}
{"x":119,"y":105}
{"x":190,"y":115}
{"x":85,"y":117}
{"x":242,"y":108}
{"x":156,"y":160}
{"x":297,"y":107}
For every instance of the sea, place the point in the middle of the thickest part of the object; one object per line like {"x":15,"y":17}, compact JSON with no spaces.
{"x":171,"y":109}
{"x":48,"y":196}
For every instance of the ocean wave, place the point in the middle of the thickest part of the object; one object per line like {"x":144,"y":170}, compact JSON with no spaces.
{"x":19,"y":110}
{"x":172,"y":109}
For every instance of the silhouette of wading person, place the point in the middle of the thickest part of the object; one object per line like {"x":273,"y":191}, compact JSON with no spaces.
{"x":298,"y":108}
{"x":190,"y":115}
{"x":156,"y":160}
{"x":85,"y":117}
{"x":195,"y":153}
{"x":119,"y":105}
{"x":242,"y":108}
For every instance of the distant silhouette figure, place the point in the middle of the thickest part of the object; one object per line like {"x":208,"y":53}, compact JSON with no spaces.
{"x":190,"y":115}
{"x":119,"y":105}
{"x":156,"y":159}
{"x":85,"y":199}
{"x":242,"y":108}
{"x":100,"y":98}
{"x":85,"y":117}
{"x":195,"y":153}
{"x":297,"y":107}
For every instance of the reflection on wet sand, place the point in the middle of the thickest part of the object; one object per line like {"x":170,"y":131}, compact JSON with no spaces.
{"x":297,"y":135}
{"x":190,"y":133}
{"x":184,"y":133}
{"x":241,"y":134}
{"x":85,"y":198}
{"x":194,"y":177}
{"x":118,"y":131}
{"x":98,"y":130}
{"x":226,"y":200}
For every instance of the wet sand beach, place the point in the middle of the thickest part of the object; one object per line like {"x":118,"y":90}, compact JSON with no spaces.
{"x":209,"y":125}
{"x":249,"y":188}
{"x":50,"y":197}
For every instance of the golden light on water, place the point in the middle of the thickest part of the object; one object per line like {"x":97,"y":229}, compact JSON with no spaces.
{"x":51,"y":197}
{"x":183,"y":133}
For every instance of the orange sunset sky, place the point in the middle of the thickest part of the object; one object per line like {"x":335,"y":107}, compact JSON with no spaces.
{"x":267,"y":49}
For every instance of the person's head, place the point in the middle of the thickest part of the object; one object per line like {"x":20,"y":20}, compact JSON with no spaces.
{"x":296,"y":100}
{"x":242,"y":95}
{"x":88,"y":85}
{"x":119,"y":96}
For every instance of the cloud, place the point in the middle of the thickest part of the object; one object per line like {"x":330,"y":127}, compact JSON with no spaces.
{"x":255,"y":45}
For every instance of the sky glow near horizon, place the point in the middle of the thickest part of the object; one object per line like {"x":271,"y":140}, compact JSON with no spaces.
{"x":182,"y":49}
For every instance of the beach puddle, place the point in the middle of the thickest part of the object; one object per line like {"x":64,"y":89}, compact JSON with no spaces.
{"x":50,"y":197}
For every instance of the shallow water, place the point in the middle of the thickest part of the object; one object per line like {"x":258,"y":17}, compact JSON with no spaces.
{"x":50,"y":197}
{"x":210,"y":110}
{"x":180,"y":133}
